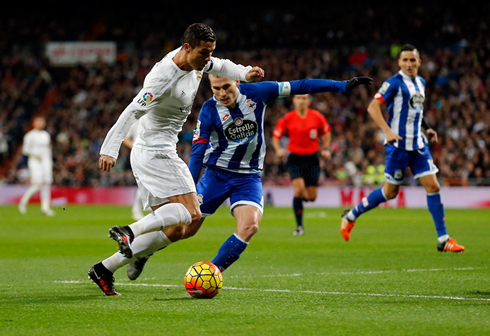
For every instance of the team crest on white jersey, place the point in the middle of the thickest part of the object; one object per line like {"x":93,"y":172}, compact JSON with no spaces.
{"x":251,"y":104}
{"x":199,"y":75}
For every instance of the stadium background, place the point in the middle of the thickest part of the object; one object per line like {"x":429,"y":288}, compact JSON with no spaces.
{"x":81,"y":102}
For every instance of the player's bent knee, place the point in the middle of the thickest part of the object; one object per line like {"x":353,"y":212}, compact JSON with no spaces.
{"x":391,"y":194}
{"x":248,"y":231}
{"x":196,"y":215}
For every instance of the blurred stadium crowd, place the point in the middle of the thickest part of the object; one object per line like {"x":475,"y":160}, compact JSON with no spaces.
{"x":82,"y":102}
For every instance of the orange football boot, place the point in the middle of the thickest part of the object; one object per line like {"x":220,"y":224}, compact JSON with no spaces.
{"x":346,"y":226}
{"x":450,"y":245}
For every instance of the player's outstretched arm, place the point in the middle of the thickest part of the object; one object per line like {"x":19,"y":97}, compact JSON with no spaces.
{"x":309,"y":85}
{"x":255,"y":74}
{"x":356,"y":81}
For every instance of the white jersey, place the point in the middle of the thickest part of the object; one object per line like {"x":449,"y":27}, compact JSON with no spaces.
{"x":164,"y":104}
{"x":37,"y":145}
{"x":133,"y":131}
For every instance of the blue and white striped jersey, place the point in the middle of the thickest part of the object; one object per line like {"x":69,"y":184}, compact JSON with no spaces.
{"x":404,"y":98}
{"x":235,"y":136}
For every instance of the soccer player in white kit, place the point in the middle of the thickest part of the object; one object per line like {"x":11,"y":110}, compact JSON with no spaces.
{"x":137,"y":207}
{"x":166,"y":184}
{"x":37,"y":148}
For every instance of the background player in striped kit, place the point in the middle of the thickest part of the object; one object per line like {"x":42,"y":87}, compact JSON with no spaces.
{"x":405,"y":145}
{"x":305,"y":128}
{"x":37,"y":148}
{"x":229,"y":142}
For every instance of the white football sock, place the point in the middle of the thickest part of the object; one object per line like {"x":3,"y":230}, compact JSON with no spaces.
{"x":350,"y":216}
{"x":442,"y":238}
{"x":28,"y":194}
{"x":45,"y":197}
{"x":142,"y":246}
{"x":168,"y":215}
{"x":137,"y":205}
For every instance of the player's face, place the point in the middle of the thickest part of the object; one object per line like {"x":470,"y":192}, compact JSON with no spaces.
{"x":409,"y":63}
{"x":301,"y":102}
{"x":199,"y":56}
{"x":225,"y":90}
{"x":39,"y":123}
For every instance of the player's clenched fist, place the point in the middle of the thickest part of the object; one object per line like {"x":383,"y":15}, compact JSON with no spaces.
{"x":106,"y":162}
{"x":255,"y":74}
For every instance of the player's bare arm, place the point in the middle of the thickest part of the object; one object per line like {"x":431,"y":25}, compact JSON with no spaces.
{"x":325,"y":151}
{"x":280,"y":152}
{"x":374,"y":110}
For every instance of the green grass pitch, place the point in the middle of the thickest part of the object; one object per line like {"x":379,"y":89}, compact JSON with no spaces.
{"x":389,"y":279}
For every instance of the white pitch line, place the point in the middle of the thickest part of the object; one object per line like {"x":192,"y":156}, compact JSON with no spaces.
{"x":361,"y":272}
{"x":299,"y":291}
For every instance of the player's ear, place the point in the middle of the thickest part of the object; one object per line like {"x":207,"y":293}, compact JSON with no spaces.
{"x":237,"y":83}
{"x":186,"y":47}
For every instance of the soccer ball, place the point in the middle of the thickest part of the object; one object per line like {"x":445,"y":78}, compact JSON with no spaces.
{"x":203,"y":280}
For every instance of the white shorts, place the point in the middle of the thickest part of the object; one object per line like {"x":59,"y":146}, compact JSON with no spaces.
{"x":40,"y":172}
{"x":160,"y":174}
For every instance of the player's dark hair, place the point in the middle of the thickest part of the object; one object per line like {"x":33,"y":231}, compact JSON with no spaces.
{"x":407,"y":47}
{"x":198,"y":32}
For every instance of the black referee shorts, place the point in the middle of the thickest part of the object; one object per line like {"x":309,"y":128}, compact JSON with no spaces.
{"x":305,"y":166}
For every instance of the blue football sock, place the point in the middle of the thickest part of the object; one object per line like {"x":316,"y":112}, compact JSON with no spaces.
{"x":437,"y":211}
{"x":375,"y":198}
{"x":298,"y":210}
{"x":229,"y":252}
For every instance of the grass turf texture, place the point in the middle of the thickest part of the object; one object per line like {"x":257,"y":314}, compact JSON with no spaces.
{"x":389,"y":279}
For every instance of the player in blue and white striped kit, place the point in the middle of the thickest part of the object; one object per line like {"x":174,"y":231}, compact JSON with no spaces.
{"x":405,"y":145}
{"x":229,"y":142}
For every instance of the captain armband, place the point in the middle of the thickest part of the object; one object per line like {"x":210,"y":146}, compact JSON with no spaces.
{"x":284,"y":89}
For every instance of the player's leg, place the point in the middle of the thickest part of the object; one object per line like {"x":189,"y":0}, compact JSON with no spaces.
{"x":35,"y":173}
{"x":424,"y":169}
{"x":182,"y":210}
{"x":31,"y":191}
{"x":311,"y":193}
{"x":396,"y":164}
{"x":207,"y":188}
{"x":102,"y":273}
{"x":248,"y":218}
{"x":158,"y":180}
{"x":137,"y":207}
{"x":247,"y":208}
{"x":299,"y":190}
{"x":47,"y":178}
{"x":294,"y":165}
{"x":374,"y":199}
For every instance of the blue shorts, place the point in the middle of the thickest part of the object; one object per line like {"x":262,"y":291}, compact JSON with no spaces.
{"x":397,"y":161}
{"x":216,"y":185}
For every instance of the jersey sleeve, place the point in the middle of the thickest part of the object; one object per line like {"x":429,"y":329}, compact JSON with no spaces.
{"x":200,"y":141}
{"x":387,"y":91}
{"x":281,"y":129}
{"x":226,"y":68}
{"x":156,"y":83}
{"x":27,"y":145}
{"x":324,"y":126}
